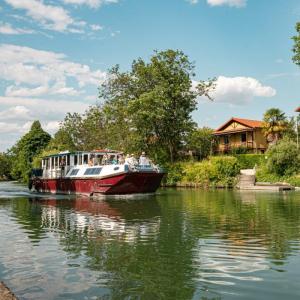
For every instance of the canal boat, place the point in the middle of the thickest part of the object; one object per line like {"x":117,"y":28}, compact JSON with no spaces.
{"x":94,"y":173}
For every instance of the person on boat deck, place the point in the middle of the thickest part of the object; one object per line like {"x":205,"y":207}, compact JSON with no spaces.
{"x":133,"y":160}
{"x":95,"y":160}
{"x":121,"y":159}
{"x":105,"y":159}
{"x":144,"y":161}
{"x":91,"y":163}
{"x":127,"y":160}
{"x":62,"y":165}
{"x":114,"y":160}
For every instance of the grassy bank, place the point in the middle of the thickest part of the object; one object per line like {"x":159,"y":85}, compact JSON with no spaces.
{"x":222,"y":171}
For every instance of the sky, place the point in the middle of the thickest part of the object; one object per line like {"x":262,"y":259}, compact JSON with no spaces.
{"x":55,"y":54}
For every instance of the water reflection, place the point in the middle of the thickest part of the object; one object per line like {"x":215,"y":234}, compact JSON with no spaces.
{"x":186,"y":244}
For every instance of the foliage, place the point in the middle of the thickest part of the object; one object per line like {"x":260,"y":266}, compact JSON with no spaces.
{"x":85,"y":131}
{"x":249,"y":161}
{"x":296,"y":47}
{"x":283,"y":158}
{"x":5,"y":166}
{"x":201,"y":141}
{"x":153,"y":102}
{"x":30,"y":145}
{"x":174,"y":173}
{"x":61,"y":141}
{"x":215,"y":171}
{"x":238,"y":150}
{"x":275,"y":124}
{"x":263,"y":175}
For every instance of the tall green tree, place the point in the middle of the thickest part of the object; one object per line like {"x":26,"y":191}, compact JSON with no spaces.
{"x":201,"y":141}
{"x":85,"y":131}
{"x":152,"y":103}
{"x":30,"y":145}
{"x":5,"y":166}
{"x":275,"y":124}
{"x":296,"y":47}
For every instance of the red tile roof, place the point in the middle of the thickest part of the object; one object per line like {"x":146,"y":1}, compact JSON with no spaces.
{"x":245,"y":122}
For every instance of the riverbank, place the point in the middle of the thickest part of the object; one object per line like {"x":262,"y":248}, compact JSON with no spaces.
{"x":222,"y":172}
{"x":6,"y":293}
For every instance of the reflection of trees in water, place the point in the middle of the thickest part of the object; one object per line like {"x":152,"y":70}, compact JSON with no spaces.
{"x":272,"y":218}
{"x":156,"y":248}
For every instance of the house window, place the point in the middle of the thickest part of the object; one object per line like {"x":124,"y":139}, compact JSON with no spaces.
{"x":243,"y":137}
{"x":226,"y":139}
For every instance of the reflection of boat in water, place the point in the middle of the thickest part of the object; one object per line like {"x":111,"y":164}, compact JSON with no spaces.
{"x":85,"y":173}
{"x":140,"y":218}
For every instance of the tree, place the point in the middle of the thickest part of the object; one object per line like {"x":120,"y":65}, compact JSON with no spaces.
{"x":30,"y":145}
{"x":83,"y":131}
{"x":274,"y":124}
{"x":201,"y":142}
{"x":296,"y":47}
{"x":283,"y":158}
{"x":61,"y":141}
{"x":152,"y":103}
{"x":5,"y":166}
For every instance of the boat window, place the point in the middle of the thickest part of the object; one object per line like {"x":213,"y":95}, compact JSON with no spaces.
{"x":116,"y":168}
{"x":75,"y":160}
{"x":74,"y":172}
{"x":92,"y":171}
{"x":68,"y":159}
{"x":80,"y":159}
{"x":85,"y":158}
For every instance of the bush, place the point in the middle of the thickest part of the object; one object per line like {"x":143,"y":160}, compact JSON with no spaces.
{"x":224,"y":169}
{"x":249,"y":161}
{"x":262,"y":175}
{"x":221,"y":170}
{"x":174,"y":174}
{"x":283,"y":158}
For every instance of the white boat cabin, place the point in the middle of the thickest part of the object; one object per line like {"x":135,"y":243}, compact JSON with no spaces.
{"x":89,"y":164}
{"x":79,"y":164}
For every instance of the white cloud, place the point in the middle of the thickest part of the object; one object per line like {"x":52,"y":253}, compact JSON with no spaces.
{"x":192,"y":1}
{"x":50,"y":16}
{"x":90,"y":3}
{"x":232,"y":3}
{"x":240,"y":90}
{"x":8,"y":128}
{"x":6,"y":28}
{"x":96,"y":27}
{"x":18,"y":112}
{"x":44,"y":72}
{"x":45,"y":109}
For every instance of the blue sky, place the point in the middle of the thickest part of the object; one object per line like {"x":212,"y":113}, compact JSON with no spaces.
{"x":54,"y":54}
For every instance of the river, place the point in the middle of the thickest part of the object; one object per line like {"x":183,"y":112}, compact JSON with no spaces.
{"x":177,"y":244}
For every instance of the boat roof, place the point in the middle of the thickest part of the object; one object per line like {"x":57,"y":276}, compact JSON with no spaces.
{"x":97,"y":151}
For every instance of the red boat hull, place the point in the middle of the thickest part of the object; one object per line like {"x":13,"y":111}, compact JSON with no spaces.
{"x":127,"y":183}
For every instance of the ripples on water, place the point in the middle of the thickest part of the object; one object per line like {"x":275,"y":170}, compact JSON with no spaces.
{"x":184,"y":244}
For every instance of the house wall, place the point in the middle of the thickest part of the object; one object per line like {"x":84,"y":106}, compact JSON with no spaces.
{"x":259,"y":139}
{"x":255,"y":140}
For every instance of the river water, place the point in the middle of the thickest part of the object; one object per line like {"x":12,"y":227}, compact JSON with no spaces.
{"x":177,"y":244}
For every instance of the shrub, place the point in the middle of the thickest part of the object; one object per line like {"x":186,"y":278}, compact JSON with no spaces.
{"x":249,"y":161}
{"x":224,"y":169}
{"x":221,"y":170}
{"x":283,"y":158}
{"x":174,"y":174}
{"x":239,"y":150}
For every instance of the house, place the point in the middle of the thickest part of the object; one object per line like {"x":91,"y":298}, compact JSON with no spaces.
{"x":241,"y":133}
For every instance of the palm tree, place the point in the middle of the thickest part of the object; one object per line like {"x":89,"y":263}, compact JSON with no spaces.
{"x":274,"y":124}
